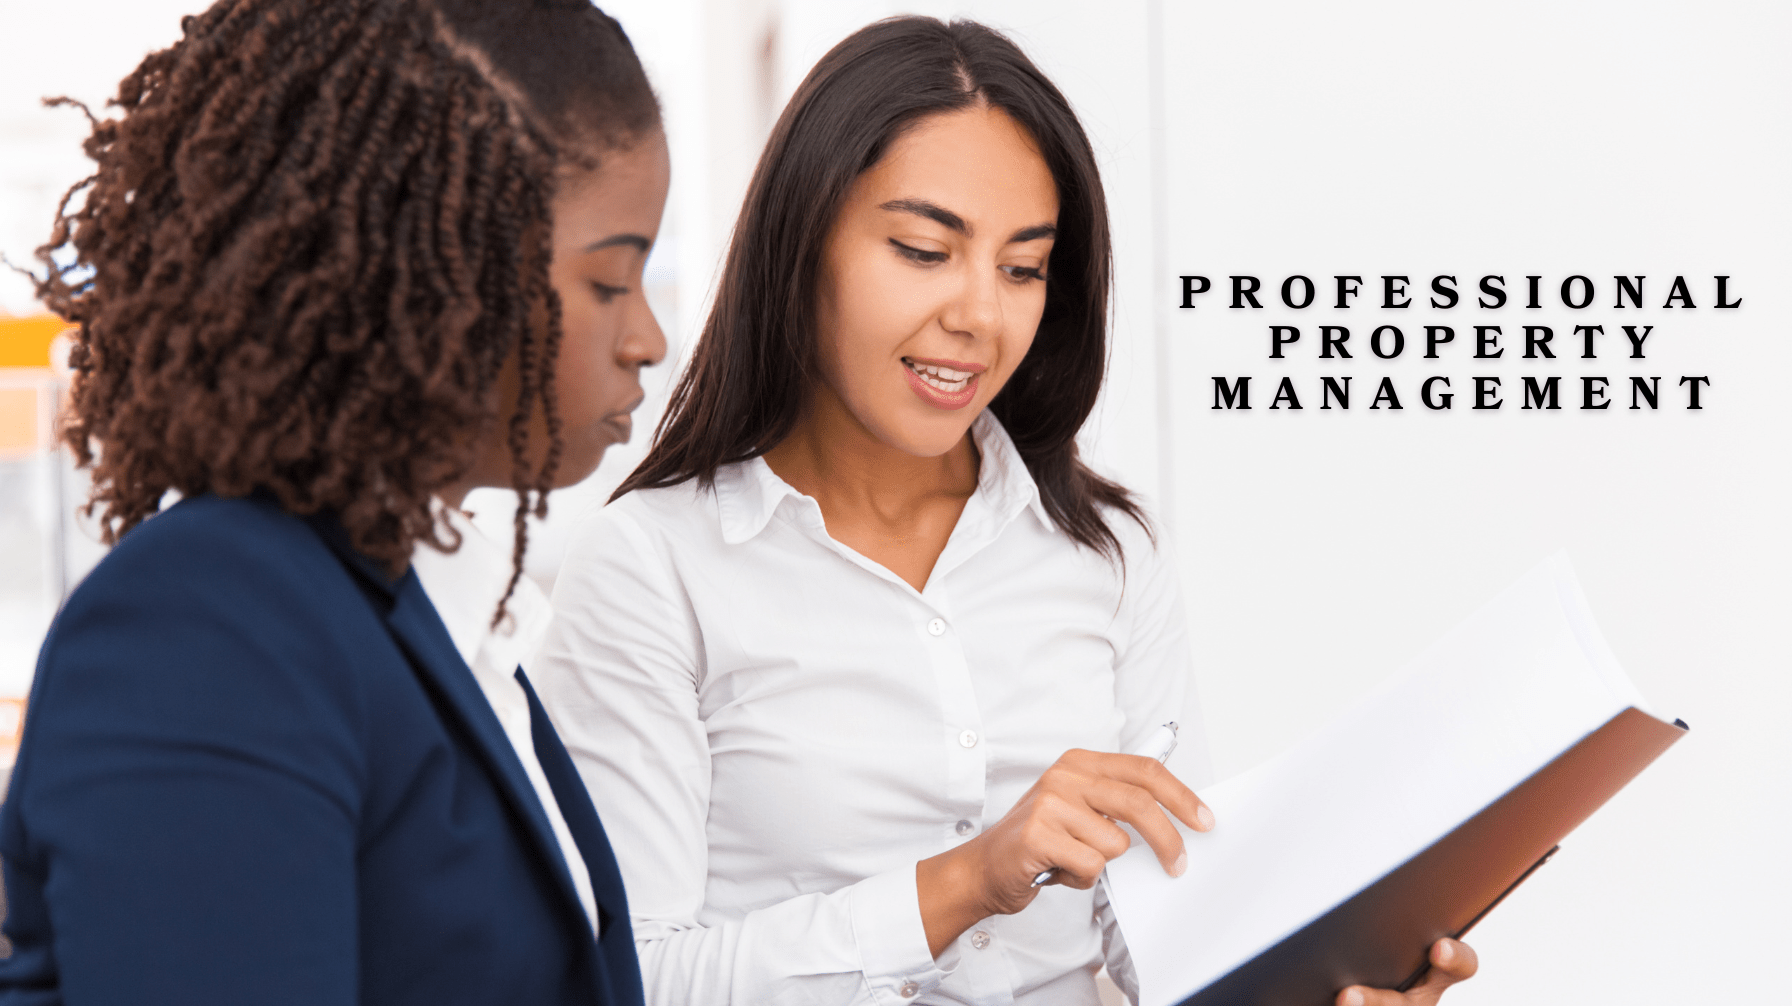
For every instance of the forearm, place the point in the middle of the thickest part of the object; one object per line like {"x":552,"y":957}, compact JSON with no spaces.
{"x":947,"y":890}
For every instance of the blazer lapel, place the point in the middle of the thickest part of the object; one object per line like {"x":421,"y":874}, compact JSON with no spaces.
{"x":414,"y":622}
{"x":618,"y":969}
{"x":420,"y":631}
{"x":576,"y":807}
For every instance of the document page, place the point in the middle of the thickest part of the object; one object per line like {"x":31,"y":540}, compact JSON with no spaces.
{"x":1494,"y":700}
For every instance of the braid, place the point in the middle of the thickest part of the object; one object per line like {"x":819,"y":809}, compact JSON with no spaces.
{"x":315,"y":235}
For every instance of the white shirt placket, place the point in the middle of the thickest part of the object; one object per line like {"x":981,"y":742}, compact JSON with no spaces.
{"x":977,"y":956}
{"x":961,"y":726}
{"x":980,"y":967}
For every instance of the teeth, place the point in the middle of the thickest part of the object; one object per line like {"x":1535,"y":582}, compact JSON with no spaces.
{"x":944,"y":378}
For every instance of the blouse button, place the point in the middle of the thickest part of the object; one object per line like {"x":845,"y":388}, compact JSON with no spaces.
{"x":909,"y":990}
{"x":965,"y":827}
{"x":979,"y":939}
{"x":968,"y":739}
{"x":937,"y":627}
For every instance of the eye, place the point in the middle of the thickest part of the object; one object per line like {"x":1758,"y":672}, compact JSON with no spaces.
{"x":607,"y":293}
{"x":1023,"y":273}
{"x":918,"y":254}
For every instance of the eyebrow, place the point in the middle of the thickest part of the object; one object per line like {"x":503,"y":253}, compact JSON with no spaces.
{"x":945,"y":217}
{"x":932,"y":211}
{"x":635,"y":241}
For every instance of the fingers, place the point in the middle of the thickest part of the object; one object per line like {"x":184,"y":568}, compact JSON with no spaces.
{"x":1159,"y":782}
{"x":1079,"y":865}
{"x":1138,"y":790}
{"x":1076,"y":841}
{"x":1099,"y":833}
{"x":1066,"y":821}
{"x":1357,"y":995}
{"x":1135,"y":806}
{"x":1451,"y":961}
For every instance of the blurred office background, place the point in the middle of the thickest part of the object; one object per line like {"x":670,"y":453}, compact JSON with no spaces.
{"x":723,"y":70}
{"x":1318,"y":549}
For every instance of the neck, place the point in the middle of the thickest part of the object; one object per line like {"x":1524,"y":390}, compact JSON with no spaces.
{"x":831,"y":456}
{"x":453,"y":496}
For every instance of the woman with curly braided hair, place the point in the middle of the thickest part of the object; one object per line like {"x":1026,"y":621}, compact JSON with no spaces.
{"x":339,"y":264}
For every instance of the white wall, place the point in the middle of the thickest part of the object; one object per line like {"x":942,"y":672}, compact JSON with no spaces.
{"x":78,"y":48}
{"x":49,"y":49}
{"x":1322,"y":548}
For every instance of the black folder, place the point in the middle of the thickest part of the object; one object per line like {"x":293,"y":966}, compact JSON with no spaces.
{"x":1381,"y":936}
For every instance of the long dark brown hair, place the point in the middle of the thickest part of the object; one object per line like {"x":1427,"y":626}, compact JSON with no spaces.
{"x":745,"y":386}
{"x":315,"y":234}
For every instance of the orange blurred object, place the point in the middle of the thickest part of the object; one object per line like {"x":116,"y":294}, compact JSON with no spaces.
{"x":26,"y":356}
{"x":25,"y":342}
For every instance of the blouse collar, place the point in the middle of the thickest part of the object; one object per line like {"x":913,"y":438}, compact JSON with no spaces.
{"x":749,"y":493}
{"x":465,"y":586}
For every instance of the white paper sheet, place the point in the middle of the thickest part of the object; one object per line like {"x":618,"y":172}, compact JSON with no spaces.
{"x":1495,"y":699}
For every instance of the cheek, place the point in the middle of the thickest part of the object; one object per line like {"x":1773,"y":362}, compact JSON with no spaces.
{"x":1018,"y":336}
{"x":883,"y":294}
{"x":582,"y":372}
{"x":862,"y":325}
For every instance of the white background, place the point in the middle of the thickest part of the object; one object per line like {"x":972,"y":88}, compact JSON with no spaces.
{"x":1324,"y":547}
{"x":1320,"y":549}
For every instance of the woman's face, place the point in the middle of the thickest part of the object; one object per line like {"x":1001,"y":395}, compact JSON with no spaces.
{"x":933,"y":279}
{"x":604,"y":223}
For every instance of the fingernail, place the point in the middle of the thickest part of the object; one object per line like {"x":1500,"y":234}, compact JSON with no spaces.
{"x":1204,"y":817}
{"x":1353,"y":997}
{"x":1444,"y":952}
{"x":1181,"y":865}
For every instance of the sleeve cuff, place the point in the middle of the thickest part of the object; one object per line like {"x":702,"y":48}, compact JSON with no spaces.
{"x":892,"y":943}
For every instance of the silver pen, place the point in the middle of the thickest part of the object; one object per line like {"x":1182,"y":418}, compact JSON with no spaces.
{"x":1159,"y":745}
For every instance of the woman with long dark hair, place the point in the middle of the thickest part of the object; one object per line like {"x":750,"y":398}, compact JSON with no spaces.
{"x":850,"y":644}
{"x":338,"y":264}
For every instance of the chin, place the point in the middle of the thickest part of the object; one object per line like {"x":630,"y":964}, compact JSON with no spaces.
{"x":578,"y":461}
{"x":925,"y":439}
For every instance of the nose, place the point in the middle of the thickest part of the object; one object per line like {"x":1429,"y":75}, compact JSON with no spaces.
{"x":976,"y":309}
{"x":643,"y":344}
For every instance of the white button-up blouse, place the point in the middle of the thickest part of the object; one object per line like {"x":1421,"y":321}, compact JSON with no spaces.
{"x":775,"y":729}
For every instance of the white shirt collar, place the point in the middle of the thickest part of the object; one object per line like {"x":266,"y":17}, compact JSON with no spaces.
{"x":465,"y":586}
{"x":749,"y":493}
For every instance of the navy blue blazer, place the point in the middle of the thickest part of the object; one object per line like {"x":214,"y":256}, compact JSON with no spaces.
{"x":255,"y":770}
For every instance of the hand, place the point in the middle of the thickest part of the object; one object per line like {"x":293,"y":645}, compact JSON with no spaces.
{"x":1451,"y":962}
{"x":1065,"y":822}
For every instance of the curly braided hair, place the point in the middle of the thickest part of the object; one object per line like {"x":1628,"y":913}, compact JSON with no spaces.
{"x":315,"y":235}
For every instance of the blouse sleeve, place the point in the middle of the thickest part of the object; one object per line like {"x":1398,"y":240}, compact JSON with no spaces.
{"x":1153,"y":664}
{"x":1153,"y":684}
{"x":619,"y":673}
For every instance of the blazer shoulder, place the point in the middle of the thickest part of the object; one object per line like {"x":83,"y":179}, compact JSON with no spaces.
{"x":214,"y":528}
{"x":239,"y":581}
{"x":248,"y":550}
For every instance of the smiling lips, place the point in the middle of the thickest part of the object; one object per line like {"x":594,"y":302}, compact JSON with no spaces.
{"x":943,"y":384}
